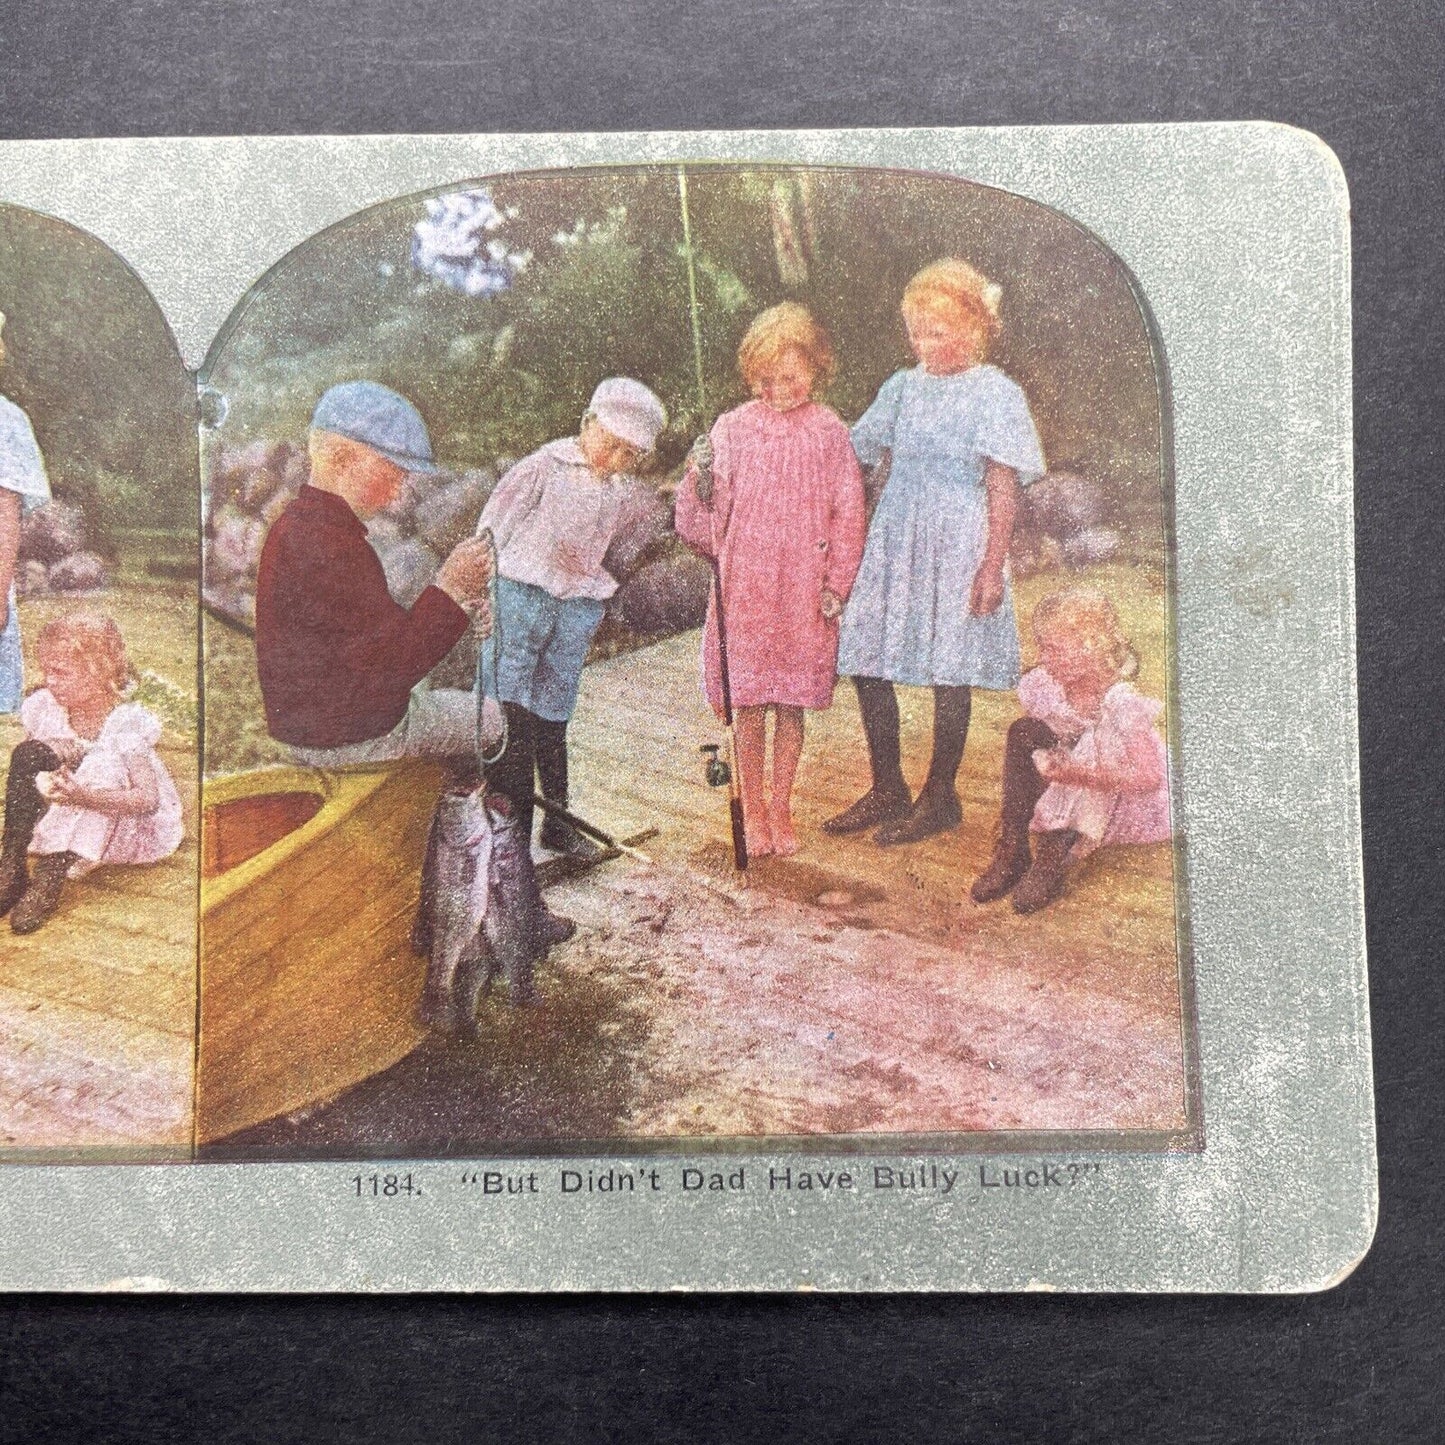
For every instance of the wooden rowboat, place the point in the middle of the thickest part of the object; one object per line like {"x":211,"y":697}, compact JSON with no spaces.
{"x":308,"y":984}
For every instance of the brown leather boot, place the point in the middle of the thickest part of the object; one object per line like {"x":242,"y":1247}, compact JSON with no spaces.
{"x":1044,"y":882}
{"x":1011,"y":860}
{"x":40,"y":900}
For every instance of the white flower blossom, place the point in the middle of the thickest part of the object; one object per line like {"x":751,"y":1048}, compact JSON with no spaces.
{"x":454,"y":245}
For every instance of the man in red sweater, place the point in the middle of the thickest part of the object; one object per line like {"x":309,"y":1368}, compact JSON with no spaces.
{"x":339,"y":660}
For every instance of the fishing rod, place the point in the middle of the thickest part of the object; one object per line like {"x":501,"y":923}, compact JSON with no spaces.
{"x":719,"y":771}
{"x":556,"y":809}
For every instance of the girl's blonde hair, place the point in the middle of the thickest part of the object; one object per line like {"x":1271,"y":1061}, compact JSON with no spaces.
{"x":93,"y":640}
{"x":787,"y":327}
{"x":954,"y":285}
{"x":1087,"y":616}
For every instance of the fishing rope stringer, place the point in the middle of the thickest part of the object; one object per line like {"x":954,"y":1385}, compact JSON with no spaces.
{"x":492,"y":644}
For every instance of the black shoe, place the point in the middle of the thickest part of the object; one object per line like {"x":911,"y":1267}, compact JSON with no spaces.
{"x":14,"y":879}
{"x":1044,"y":882}
{"x":874,"y":807}
{"x":936,"y":811}
{"x":1010,"y":862}
{"x":561,"y":837}
{"x":40,"y":900}
{"x":554,"y":928}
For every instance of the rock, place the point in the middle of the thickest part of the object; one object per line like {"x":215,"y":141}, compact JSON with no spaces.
{"x":409,"y":497}
{"x":645,"y":520}
{"x":383,"y":531}
{"x":51,"y":532}
{"x":234,"y":601}
{"x":282,"y":499}
{"x":296,"y":471}
{"x":664,"y":596}
{"x":235,"y":546}
{"x":448,"y":514}
{"x":79,"y":572}
{"x":410,"y":568}
{"x":1034,"y":552}
{"x":1062,"y":504}
{"x":251,"y":477}
{"x":1092,"y":546}
{"x":32,"y":579}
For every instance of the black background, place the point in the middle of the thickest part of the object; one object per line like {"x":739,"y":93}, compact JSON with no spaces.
{"x":1362,"y":1362}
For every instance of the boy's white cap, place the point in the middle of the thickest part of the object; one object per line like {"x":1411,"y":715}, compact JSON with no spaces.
{"x":629,"y":411}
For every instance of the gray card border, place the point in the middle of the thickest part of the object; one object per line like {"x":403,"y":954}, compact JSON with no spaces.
{"x":1238,"y":236}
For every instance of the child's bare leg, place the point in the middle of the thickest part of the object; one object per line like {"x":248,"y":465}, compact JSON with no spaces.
{"x":750,"y":735}
{"x":787,"y":749}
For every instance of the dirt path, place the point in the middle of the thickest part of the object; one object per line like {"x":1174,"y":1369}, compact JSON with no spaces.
{"x":781,"y":1017}
{"x":676,"y":1014}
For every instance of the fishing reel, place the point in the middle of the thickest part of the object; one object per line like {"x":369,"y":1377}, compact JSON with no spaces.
{"x":716,"y":769}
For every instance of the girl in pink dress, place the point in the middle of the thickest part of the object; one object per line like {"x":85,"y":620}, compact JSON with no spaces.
{"x":86,"y":786}
{"x":776,"y":495}
{"x":1086,"y":766}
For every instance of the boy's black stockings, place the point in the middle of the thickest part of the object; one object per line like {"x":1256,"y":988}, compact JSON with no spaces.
{"x":512,"y":774}
{"x":557,"y":834}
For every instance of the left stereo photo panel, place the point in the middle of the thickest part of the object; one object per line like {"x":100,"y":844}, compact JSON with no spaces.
{"x":98,"y":707}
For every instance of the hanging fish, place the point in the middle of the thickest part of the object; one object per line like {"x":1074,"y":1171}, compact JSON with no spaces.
{"x":514,"y":932}
{"x":455,"y":896}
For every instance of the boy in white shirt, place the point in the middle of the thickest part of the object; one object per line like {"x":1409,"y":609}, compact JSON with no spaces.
{"x":553,"y":517}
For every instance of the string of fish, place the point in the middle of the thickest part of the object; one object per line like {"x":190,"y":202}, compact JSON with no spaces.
{"x":492,"y":644}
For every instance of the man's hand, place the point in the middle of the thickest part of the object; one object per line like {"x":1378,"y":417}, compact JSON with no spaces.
{"x":466,"y":574}
{"x":831,"y":605}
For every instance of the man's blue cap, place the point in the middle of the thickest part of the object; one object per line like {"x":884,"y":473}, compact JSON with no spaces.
{"x":379,"y":418}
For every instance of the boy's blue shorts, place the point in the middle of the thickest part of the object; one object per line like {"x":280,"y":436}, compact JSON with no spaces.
{"x":544,"y":644}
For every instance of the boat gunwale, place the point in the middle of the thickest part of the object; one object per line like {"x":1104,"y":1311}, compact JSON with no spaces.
{"x":342,"y":792}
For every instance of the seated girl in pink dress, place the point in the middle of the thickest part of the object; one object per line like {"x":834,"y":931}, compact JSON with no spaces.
{"x":776,"y":495}
{"x":1086,"y":767}
{"x":86,"y":785}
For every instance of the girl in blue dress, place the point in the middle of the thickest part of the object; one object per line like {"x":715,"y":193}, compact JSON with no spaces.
{"x":23,"y":487}
{"x":931,"y":606}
